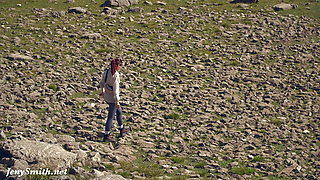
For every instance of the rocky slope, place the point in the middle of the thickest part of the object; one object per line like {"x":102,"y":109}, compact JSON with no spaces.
{"x":207,"y":92}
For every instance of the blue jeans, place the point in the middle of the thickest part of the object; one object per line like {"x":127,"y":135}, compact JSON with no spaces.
{"x":112,"y":111}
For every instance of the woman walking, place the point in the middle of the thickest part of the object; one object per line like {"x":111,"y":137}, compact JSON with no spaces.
{"x":111,"y":94}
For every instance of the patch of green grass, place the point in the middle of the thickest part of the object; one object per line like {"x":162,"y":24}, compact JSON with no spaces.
{"x":226,"y":25}
{"x":104,"y":50}
{"x":179,"y":159}
{"x":87,"y":168}
{"x":278,"y":178}
{"x":173,"y":116}
{"x":200,"y":164}
{"x":109,"y":167}
{"x":53,"y":131}
{"x":38,"y":177}
{"x":178,"y":178}
{"x":92,"y":70}
{"x":280,"y":147}
{"x":82,"y":178}
{"x":126,"y":174}
{"x":78,"y":95}
{"x":225,"y":163}
{"x":258,"y":159}
{"x":147,"y":168}
{"x":53,"y":87}
{"x":202,"y":172}
{"x":40,"y":112}
{"x":242,"y":170}
{"x":276,"y":121}
{"x":234,"y":63}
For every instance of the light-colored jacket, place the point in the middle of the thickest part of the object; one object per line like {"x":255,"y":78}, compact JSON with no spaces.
{"x":111,"y":96}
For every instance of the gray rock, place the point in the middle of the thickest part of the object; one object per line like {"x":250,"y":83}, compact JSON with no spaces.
{"x":284,"y":6}
{"x":64,"y":138}
{"x":19,"y":57}
{"x":40,"y":153}
{"x":110,"y":177}
{"x":119,"y":3}
{"x":161,"y":3}
{"x":91,"y":36}
{"x":135,"y":9}
{"x":77,"y":10}
{"x":133,"y":2}
{"x":112,"y":11}
{"x":2,"y":135}
{"x":20,"y":164}
{"x":148,"y":3}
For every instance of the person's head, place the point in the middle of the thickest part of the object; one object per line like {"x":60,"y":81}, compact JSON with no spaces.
{"x":115,"y":65}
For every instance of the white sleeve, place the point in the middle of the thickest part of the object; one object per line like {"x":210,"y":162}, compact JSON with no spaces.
{"x":116,"y":89}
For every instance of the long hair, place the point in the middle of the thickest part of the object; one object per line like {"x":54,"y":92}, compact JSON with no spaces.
{"x":114,"y":63}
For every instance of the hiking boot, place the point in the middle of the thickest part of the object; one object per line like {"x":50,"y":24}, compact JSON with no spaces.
{"x":107,"y":138}
{"x":123,"y":131}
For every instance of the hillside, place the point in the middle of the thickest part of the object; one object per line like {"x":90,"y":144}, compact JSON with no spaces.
{"x":209,"y":89}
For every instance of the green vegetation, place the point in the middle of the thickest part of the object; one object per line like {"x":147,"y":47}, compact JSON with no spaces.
{"x":53,"y":87}
{"x":276,"y":121}
{"x":242,"y":170}
{"x":41,"y":112}
{"x":258,"y":159}
{"x":179,"y":159}
{"x":279,"y":178}
{"x":38,"y":177}
{"x":280,"y":147}
{"x":109,"y":167}
{"x":178,"y":178}
{"x":148,"y":168}
{"x":173,"y":116}
{"x":200,"y":164}
{"x":78,"y":95}
{"x":225,"y":163}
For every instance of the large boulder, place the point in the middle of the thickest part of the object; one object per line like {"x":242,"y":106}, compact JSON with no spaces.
{"x":19,"y":57}
{"x":39,"y":154}
{"x":77,"y":10}
{"x":284,"y":6}
{"x":119,"y":3}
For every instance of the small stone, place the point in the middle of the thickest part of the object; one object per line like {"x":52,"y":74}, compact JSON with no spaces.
{"x":120,"y":31}
{"x":161,"y":3}
{"x":135,"y":9}
{"x":110,"y":177}
{"x":299,"y":168}
{"x":91,"y":36}
{"x":96,"y":157}
{"x":3,"y":135}
{"x":148,"y":3}
{"x":306,"y":132}
{"x":244,"y":6}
